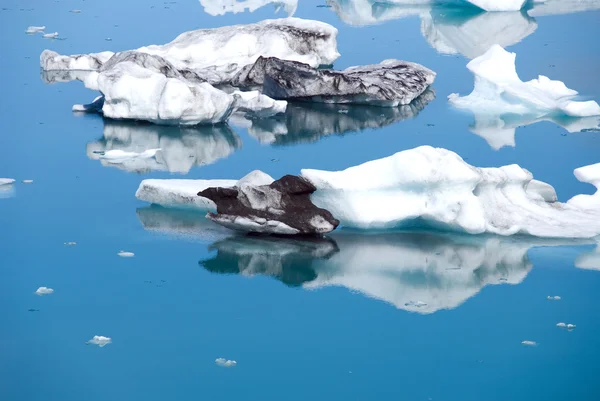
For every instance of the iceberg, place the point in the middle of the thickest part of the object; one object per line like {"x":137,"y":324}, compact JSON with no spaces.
{"x":218,"y":54}
{"x":281,"y":207}
{"x":436,"y":188}
{"x":309,"y":122}
{"x":35,"y":29}
{"x":44,"y":291}
{"x":388,"y":84}
{"x":225,"y":363}
{"x":499,"y":90}
{"x":222,"y":7}
{"x":421,"y":272}
{"x":177,"y":149}
{"x":100,"y":341}
{"x":591,"y":175}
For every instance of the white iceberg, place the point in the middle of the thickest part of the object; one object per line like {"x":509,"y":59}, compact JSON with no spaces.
{"x":181,"y":148}
{"x":226,"y":363}
{"x":499,"y":5}
{"x":6,"y":181}
{"x":436,"y":188}
{"x":561,"y":325}
{"x":125,"y":254}
{"x":553,"y":298}
{"x":529,"y":343}
{"x":52,"y":35}
{"x":44,"y":291}
{"x":35,"y":29}
{"x":499,"y":90}
{"x":222,"y":7}
{"x":590,"y":175}
{"x":184,"y":193}
{"x":257,"y":104}
{"x":218,"y":54}
{"x":100,"y":341}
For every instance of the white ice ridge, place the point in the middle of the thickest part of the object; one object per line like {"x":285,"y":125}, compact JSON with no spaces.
{"x":184,"y":193}
{"x":435,"y":187}
{"x":221,"y":7}
{"x":221,"y":52}
{"x":499,"y":90}
{"x":181,"y":148}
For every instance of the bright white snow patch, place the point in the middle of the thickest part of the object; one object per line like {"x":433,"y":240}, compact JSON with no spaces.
{"x":591,"y":175}
{"x":499,"y":90}
{"x":125,"y":254}
{"x":221,"y":7}
{"x":184,"y":193}
{"x":499,"y":5}
{"x":226,"y":363}
{"x":435,"y":187}
{"x":44,"y":291}
{"x":100,"y":341}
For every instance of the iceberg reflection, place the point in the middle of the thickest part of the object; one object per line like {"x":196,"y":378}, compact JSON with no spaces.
{"x":221,"y":7}
{"x":307,"y":122}
{"x":129,"y":146}
{"x":415,"y":271}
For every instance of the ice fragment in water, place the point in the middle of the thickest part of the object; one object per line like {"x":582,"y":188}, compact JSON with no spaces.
{"x":44,"y":291}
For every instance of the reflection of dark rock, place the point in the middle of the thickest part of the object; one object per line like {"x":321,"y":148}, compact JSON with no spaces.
{"x":57,"y":76}
{"x":283,"y":207}
{"x":181,"y":148}
{"x":306,"y":122}
{"x":287,"y":259}
{"x":416,"y":271}
{"x":179,"y":223}
{"x":390,"y":83}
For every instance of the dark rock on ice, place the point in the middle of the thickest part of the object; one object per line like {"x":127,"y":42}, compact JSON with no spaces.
{"x":283,"y":207}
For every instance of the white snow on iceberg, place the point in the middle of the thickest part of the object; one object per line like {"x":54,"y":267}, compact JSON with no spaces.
{"x":499,"y":90}
{"x":590,"y":175}
{"x":221,"y":7}
{"x":436,"y":188}
{"x":219,"y":53}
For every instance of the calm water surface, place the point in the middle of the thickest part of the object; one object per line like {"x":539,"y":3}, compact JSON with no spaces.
{"x":336,"y":319}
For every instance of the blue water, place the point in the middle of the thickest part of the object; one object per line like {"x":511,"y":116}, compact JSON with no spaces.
{"x":301,"y":325}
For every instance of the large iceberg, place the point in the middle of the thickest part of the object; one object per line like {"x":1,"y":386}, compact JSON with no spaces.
{"x":421,"y":272}
{"x":387,"y":84}
{"x":309,"y":122}
{"x":218,"y":54}
{"x":221,"y":7}
{"x":178,"y":148}
{"x":436,"y":188}
{"x":499,"y":90}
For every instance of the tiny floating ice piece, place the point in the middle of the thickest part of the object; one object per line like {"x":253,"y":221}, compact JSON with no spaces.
{"x":70,"y":243}
{"x":125,"y":254}
{"x":561,"y":325}
{"x":553,"y":298}
{"x":27,"y":181}
{"x":226,"y":363}
{"x":529,"y":343}
{"x":566,"y":326}
{"x":571,"y":326}
{"x":44,"y":291}
{"x":35,"y":29}
{"x":52,"y":35}
{"x":100,"y":341}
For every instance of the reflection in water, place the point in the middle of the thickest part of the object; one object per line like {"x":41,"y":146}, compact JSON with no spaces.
{"x":417,"y":271}
{"x":499,"y":130}
{"x":589,"y":260}
{"x":221,"y":7}
{"x":450,"y":30}
{"x":308,"y":122}
{"x":7,"y":191}
{"x":555,"y":7}
{"x":179,"y":223}
{"x":181,"y":148}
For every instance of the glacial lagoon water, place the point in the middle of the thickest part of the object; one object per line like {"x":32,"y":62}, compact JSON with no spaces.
{"x":407,"y":316}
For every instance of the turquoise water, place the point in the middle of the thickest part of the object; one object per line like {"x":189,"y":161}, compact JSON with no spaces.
{"x":332,"y":319}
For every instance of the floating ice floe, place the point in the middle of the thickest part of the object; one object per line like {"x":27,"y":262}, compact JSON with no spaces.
{"x":52,"y":35}
{"x":387,"y":84}
{"x":35,"y":29}
{"x":44,"y":291}
{"x":309,"y":122}
{"x":529,"y":343}
{"x":590,"y":175}
{"x":27,"y":181}
{"x":257,"y":104}
{"x":181,"y":148}
{"x":221,"y":7}
{"x":218,"y":54}
{"x":125,"y":254}
{"x":499,"y":90}
{"x":566,"y":326}
{"x":553,"y":298}
{"x":226,"y":363}
{"x":433,"y":187}
{"x":281,"y":207}
{"x":421,"y":272}
{"x":100,"y":341}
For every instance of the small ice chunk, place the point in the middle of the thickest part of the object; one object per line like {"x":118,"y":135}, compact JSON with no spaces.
{"x":125,"y":254}
{"x":566,"y":326}
{"x":27,"y":181}
{"x":6,"y":181}
{"x":571,"y":326}
{"x":44,"y":291}
{"x":52,"y":35}
{"x":100,"y":341}
{"x":70,"y":243}
{"x":529,"y":343}
{"x":553,"y":298}
{"x":75,"y":11}
{"x":561,"y":325}
{"x":226,"y":363}
{"x":35,"y":29}
{"x":94,"y":107}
